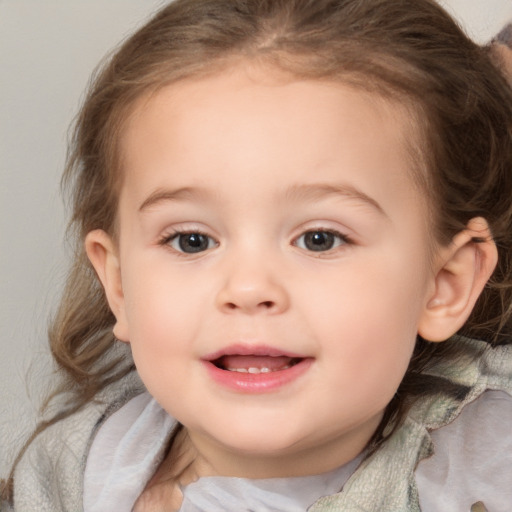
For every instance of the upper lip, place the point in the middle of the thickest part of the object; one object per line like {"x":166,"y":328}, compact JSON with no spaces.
{"x":241,"y":349}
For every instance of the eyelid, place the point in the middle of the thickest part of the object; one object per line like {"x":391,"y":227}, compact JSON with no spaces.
{"x":185,"y":227}
{"x":326,"y":226}
{"x":344,"y":240}
{"x":166,"y":239}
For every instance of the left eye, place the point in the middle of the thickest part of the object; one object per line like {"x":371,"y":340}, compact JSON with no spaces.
{"x":191,"y":243}
{"x":320,"y":240}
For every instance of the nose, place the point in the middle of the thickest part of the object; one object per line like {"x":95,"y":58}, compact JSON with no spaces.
{"x":252,"y":289}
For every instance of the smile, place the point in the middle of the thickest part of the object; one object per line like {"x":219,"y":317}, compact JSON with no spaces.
{"x":255,"y":369}
{"x":255,"y":364}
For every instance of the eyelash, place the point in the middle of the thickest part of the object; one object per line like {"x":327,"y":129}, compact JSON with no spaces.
{"x":342,"y":240}
{"x":167,"y":240}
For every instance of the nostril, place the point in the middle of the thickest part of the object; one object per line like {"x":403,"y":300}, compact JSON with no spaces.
{"x":263,"y":305}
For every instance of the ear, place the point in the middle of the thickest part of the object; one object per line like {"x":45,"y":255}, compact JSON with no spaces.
{"x":462,"y":270}
{"x":103,"y":255}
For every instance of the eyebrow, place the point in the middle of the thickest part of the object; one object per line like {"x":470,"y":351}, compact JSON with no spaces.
{"x":306,"y":192}
{"x":161,"y":195}
{"x":319,"y":190}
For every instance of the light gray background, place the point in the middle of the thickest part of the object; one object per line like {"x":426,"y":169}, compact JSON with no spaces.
{"x":48,"y":49}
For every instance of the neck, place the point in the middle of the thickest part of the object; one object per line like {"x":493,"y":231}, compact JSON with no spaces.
{"x":212,"y":459}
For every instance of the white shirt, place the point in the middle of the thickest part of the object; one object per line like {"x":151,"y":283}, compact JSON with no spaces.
{"x":472,"y":462}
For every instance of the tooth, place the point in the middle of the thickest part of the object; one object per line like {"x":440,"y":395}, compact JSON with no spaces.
{"x":255,"y":371}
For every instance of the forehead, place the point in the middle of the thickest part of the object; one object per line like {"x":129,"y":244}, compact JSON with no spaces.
{"x":248,"y":120}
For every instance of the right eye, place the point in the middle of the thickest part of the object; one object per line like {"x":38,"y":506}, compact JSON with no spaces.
{"x":190,"y":243}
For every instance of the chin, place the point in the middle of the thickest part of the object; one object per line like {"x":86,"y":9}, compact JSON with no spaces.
{"x":262,"y":443}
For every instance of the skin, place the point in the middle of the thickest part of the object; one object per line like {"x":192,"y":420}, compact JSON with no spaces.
{"x":503,"y":55}
{"x":254,"y":160}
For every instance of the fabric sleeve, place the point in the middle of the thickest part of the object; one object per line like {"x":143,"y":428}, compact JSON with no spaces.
{"x":472,"y":461}
{"x":49,"y":477}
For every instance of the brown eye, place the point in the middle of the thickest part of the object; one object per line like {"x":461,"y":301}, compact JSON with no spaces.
{"x":320,"y":240}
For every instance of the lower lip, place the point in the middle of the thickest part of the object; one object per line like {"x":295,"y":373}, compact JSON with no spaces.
{"x":259,"y":382}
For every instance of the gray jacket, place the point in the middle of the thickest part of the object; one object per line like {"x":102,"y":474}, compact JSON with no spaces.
{"x":49,"y":478}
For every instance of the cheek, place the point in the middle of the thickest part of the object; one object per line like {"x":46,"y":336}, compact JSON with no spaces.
{"x":161,"y":313}
{"x":376,"y":295}
{"x":367,"y":320}
{"x":161,"y":336}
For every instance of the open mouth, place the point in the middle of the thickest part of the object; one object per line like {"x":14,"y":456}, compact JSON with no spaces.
{"x":255,"y":364}
{"x":255,"y":369}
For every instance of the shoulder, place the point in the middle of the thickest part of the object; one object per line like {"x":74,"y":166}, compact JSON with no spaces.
{"x":472,"y":458}
{"x":50,"y":474}
{"x":124,"y":455}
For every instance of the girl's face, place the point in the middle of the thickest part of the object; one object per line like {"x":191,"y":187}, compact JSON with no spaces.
{"x":274,"y":265}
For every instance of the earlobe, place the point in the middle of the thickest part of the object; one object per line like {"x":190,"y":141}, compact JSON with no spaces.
{"x":103,"y":255}
{"x":462,"y":270}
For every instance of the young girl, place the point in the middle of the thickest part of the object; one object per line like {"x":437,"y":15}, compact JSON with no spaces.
{"x":296,"y":216}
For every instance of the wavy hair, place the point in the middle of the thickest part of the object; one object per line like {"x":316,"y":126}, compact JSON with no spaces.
{"x":408,"y":50}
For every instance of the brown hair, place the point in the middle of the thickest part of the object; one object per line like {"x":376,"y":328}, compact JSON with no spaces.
{"x":410,"y":50}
